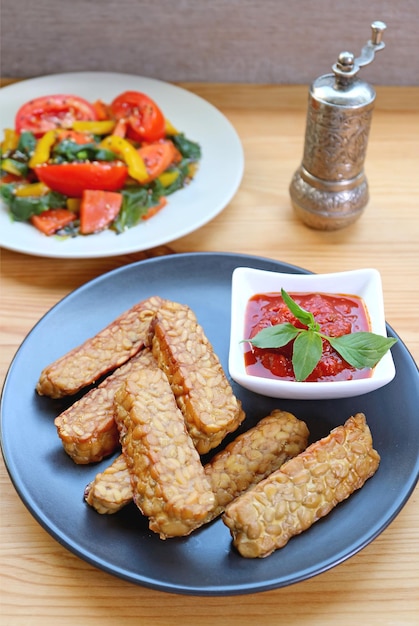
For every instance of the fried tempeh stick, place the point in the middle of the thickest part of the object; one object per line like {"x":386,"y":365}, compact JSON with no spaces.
{"x":168,"y":480}
{"x":87,"y":428}
{"x":253,"y":455}
{"x":202,"y":391}
{"x":303,"y":490}
{"x":107,"y":350}
{"x":111,"y":489}
{"x":244,"y":462}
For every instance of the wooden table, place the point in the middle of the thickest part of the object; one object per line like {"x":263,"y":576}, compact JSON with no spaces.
{"x":45,"y":585}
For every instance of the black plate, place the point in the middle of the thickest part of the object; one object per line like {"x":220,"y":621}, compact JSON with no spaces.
{"x":205,"y":563}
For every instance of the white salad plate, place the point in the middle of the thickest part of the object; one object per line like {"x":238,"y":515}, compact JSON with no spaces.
{"x":216,"y":182}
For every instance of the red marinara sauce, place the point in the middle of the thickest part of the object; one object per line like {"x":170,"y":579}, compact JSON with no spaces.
{"x":337,"y":314}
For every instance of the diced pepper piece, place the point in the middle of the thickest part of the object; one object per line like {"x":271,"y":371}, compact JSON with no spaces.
{"x":98,"y":209}
{"x":10,"y":141}
{"x":168,"y":178}
{"x":192,"y":169}
{"x":73,"y":204}
{"x":31,"y":190}
{"x":169,"y":128}
{"x":12,"y":166}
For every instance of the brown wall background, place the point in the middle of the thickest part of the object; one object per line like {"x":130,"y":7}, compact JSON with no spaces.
{"x":247,"y":41}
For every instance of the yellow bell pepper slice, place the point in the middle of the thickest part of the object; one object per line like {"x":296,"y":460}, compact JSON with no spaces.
{"x":73,"y":204}
{"x":43,"y":148}
{"x":13,"y":167}
{"x":170,"y":129}
{"x":10,"y":141}
{"x":136,"y":166}
{"x":31,"y":190}
{"x":192,"y":169}
{"x":168,"y":178}
{"x":102,"y":127}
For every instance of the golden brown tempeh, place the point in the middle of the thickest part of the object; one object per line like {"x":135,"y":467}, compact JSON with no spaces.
{"x":245,"y":461}
{"x":202,"y":391}
{"x":87,"y":428}
{"x":303,"y":490}
{"x":97,"y":356}
{"x":168,"y":481}
{"x":110,"y":490}
{"x":253,"y":455}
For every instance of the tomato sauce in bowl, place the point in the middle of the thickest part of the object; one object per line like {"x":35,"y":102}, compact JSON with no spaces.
{"x":336,"y":314}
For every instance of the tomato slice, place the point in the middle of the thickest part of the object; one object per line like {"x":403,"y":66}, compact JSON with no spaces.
{"x":98,"y":209}
{"x":158,"y":156}
{"x":52,"y":220}
{"x":155,"y":209}
{"x":74,"y":135}
{"x":102,"y":110}
{"x":49,"y":112}
{"x":144,"y":117}
{"x":71,"y":179}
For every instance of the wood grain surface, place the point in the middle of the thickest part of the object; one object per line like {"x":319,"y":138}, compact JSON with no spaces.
{"x":42,"y":584}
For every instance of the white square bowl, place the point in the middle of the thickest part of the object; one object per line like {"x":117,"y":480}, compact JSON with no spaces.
{"x":365,"y":283}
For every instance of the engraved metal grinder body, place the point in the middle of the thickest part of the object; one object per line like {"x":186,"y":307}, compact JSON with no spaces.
{"x":330,"y":190}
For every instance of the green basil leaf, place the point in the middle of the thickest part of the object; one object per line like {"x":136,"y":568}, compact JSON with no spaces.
{"x":305,"y":317}
{"x":188,"y":149}
{"x":362,"y":349}
{"x":27,"y":143}
{"x":7,"y":192}
{"x":22,"y":208}
{"x":102,"y":154}
{"x":135,"y":204}
{"x":307,"y":352}
{"x":136,"y":194}
{"x":55,"y":200}
{"x":69,"y":151}
{"x":275,"y":336}
{"x":179,"y":182}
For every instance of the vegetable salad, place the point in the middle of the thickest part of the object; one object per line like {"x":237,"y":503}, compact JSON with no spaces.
{"x":71,"y":167}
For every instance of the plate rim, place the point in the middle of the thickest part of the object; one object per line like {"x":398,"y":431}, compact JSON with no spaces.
{"x":226,"y":590}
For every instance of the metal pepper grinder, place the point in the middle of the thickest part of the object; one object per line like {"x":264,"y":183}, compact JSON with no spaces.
{"x":330,"y":190}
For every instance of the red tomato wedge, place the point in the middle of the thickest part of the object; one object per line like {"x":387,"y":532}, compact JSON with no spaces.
{"x":73,"y":135}
{"x":158,"y":156}
{"x":11,"y":178}
{"x":102,"y":110}
{"x":98,"y":209}
{"x":49,"y":112}
{"x":71,"y":179}
{"x":52,"y":220}
{"x":120,"y":129}
{"x":155,"y":209}
{"x":144,"y":117}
